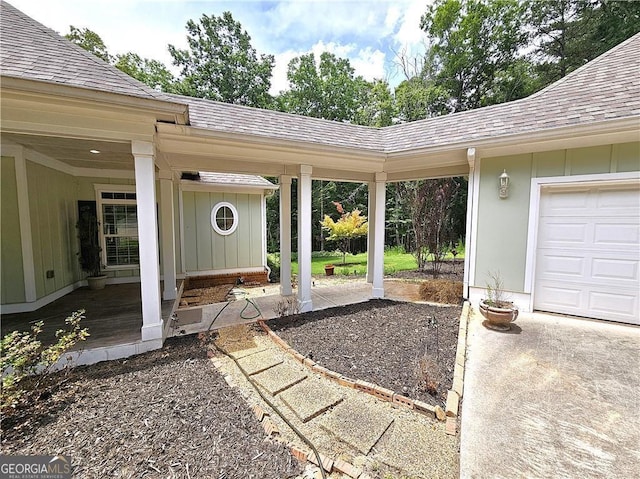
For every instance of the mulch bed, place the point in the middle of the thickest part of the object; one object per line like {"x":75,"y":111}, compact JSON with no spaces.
{"x":163,"y":414}
{"x":449,"y":269}
{"x":409,"y":348}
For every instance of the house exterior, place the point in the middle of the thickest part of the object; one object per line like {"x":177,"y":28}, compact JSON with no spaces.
{"x":565,"y":239}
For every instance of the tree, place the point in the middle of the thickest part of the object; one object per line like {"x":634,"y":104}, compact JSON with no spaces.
{"x":417,"y":99}
{"x":90,"y":41}
{"x":569,"y":33}
{"x":152,"y":72}
{"x":377,"y":107}
{"x":473,"y":43}
{"x":328,"y":90}
{"x":221,"y":64}
{"x":350,"y":225}
{"x":433,"y":218}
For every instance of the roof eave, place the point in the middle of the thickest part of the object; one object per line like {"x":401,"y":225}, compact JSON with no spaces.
{"x":166,"y":110}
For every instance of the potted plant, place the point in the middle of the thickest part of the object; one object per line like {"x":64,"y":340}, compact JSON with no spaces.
{"x":89,"y":255}
{"x":328,"y":269}
{"x":498,"y":311}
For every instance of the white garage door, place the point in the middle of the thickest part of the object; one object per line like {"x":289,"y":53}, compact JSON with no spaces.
{"x":588,"y":256}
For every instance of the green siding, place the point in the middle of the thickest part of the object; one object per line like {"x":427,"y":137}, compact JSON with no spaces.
{"x":589,"y":161}
{"x":52,"y":207}
{"x":11,"y":272}
{"x":206,"y":250}
{"x":626,"y":156}
{"x":502,"y":224}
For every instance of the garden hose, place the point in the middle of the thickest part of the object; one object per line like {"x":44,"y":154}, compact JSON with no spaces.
{"x":255,"y":386}
{"x":275,"y":408}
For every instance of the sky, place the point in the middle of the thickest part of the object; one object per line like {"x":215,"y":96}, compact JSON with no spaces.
{"x":366,"y":32}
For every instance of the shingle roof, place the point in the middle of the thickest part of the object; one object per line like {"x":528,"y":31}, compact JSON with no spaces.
{"x":29,"y":50}
{"x":603,"y":89}
{"x":234,"y":179}
{"x":225,"y":117}
{"x":606,"y":88}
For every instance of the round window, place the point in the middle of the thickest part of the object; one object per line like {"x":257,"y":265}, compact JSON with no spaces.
{"x":224,"y":218}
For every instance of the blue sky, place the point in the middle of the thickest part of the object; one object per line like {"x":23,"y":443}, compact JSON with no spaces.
{"x":366,"y":32}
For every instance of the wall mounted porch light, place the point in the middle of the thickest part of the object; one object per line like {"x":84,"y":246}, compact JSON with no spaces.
{"x":504,"y":185}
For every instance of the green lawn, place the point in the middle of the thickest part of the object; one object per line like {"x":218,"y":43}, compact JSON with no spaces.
{"x":357,"y":264}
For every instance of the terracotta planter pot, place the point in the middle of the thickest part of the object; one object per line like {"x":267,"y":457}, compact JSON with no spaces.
{"x":499,"y":317}
{"x":328,"y":270}
{"x":97,"y":282}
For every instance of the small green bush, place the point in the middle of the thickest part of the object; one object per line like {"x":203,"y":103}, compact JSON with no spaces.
{"x":22,"y":355}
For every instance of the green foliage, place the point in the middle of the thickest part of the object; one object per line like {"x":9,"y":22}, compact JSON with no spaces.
{"x":350,"y":225}
{"x":221,"y":64}
{"x":152,"y":72}
{"x":22,"y":355}
{"x":377,"y":107}
{"x":90,"y":41}
{"x":273,"y":262}
{"x":328,"y":90}
{"x":89,"y":254}
{"x":418,"y":98}
{"x":473,"y":43}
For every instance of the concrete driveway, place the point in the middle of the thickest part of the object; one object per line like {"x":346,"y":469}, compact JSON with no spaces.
{"x":557,"y":397}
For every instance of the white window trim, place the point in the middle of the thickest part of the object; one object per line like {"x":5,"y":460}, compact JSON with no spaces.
{"x":99,"y":189}
{"x":214,"y":212}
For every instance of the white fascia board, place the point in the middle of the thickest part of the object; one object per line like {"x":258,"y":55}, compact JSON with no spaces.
{"x":188,"y":185}
{"x":177,"y":110}
{"x":277,"y":144}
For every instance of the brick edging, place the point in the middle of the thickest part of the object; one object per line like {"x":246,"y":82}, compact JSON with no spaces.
{"x":302,"y":453}
{"x":453,"y":396}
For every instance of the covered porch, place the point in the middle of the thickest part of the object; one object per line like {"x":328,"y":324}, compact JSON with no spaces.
{"x":113,"y":315}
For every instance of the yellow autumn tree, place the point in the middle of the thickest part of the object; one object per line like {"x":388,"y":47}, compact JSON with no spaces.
{"x":350,"y":225}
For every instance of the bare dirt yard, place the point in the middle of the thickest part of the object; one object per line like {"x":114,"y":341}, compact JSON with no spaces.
{"x":409,"y":348}
{"x":163,"y":414}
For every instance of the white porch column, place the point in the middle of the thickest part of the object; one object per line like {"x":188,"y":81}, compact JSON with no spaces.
{"x":371,"y":218}
{"x":168,"y":235}
{"x":148,"y":239}
{"x":378,"y":247}
{"x":304,"y":239}
{"x":472,"y":215}
{"x":285,"y":235}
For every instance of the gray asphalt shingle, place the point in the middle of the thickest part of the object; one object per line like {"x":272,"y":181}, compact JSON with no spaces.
{"x":606,"y":88}
{"x":29,"y":50}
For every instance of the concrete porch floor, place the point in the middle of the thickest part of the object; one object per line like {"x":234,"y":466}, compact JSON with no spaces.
{"x":113,"y":315}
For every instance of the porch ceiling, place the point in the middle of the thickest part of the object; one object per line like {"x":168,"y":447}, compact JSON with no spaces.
{"x":76,"y":153}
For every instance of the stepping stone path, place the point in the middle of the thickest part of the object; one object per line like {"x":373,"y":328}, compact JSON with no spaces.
{"x":358,"y":425}
{"x":342,"y":419}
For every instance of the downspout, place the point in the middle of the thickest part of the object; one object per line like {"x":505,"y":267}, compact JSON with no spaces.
{"x":471,"y":159}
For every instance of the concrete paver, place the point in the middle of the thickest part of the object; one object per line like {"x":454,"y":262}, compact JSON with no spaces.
{"x":247,"y":352}
{"x":556,"y":397}
{"x":404,"y":444}
{"x":309,"y":398}
{"x":281,"y":377}
{"x":258,"y":362}
{"x":357,"y":424}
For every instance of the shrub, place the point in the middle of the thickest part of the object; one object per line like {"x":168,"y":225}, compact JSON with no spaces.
{"x":441,"y":291}
{"x":273,"y":262}
{"x":22,"y":355}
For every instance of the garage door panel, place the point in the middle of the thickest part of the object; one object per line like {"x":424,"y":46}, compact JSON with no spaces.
{"x":615,"y":269}
{"x":621,"y":303}
{"x":554,"y":265}
{"x":558,"y":233}
{"x":588,"y":252}
{"x":609,"y":233}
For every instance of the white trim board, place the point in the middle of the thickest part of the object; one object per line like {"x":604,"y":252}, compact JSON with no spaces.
{"x":534,"y":212}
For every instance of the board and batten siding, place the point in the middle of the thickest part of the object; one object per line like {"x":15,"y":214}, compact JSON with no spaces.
{"x":502,"y":224}
{"x":12,"y":274}
{"x":206,"y":250}
{"x":53,"y":210}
